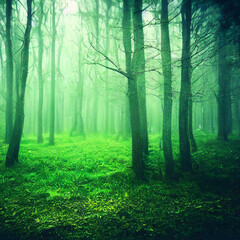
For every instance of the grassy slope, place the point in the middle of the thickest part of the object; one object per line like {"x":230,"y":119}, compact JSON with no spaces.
{"x":85,"y":190}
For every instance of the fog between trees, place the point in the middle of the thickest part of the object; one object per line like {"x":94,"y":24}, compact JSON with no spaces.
{"x":126,"y":68}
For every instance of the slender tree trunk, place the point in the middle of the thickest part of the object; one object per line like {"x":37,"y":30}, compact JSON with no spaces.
{"x":14,"y":145}
{"x":203,"y":116}
{"x":75,"y":116}
{"x":138,"y":66}
{"x":229,"y":106}
{"x":185,"y":153}
{"x":167,"y":74}
{"x":236,"y":106}
{"x":40,"y":78}
{"x":2,"y":71}
{"x":52,"y":104}
{"x":137,"y":148}
{"x":59,"y":112}
{"x":109,"y":3}
{"x":81,"y":83}
{"x":127,"y":126}
{"x":236,"y":99}
{"x":212,"y":116}
{"x":190,"y":122}
{"x":223,"y":82}
{"x":95,"y":104}
{"x":193,"y":143}
{"x":9,"y":71}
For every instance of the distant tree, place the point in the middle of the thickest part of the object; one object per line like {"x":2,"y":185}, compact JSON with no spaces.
{"x":78,"y":97}
{"x":224,"y":94}
{"x":80,"y":90}
{"x":14,"y":145}
{"x":9,"y":71}
{"x":95,"y":106}
{"x":52,"y":103}
{"x":40,"y":77}
{"x":109,"y":5}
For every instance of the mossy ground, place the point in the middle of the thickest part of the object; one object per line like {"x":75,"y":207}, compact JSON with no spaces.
{"x":85,"y":189}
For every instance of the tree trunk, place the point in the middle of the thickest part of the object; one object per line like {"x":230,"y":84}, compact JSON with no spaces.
{"x":167,"y":74}
{"x":59,"y":114}
{"x":193,"y":143}
{"x":138,"y":66}
{"x":137,"y":148}
{"x":9,"y":71}
{"x":2,"y":71}
{"x":212,"y":116}
{"x":95,"y":104}
{"x":127,"y":126}
{"x":52,"y":104}
{"x":109,"y":4}
{"x":223,"y":92}
{"x":14,"y":145}
{"x":236,"y":106}
{"x":81,"y":78}
{"x":185,"y":153}
{"x":75,"y":116}
{"x":40,"y":78}
{"x":190,"y":121}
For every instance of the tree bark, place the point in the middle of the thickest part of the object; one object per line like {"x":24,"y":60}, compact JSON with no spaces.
{"x":190,"y":121}
{"x":14,"y":145}
{"x":2,"y":70}
{"x":40,"y":78}
{"x":80,"y":89}
{"x":223,"y":92}
{"x":95,"y":104}
{"x":60,"y":96}
{"x":138,"y":66}
{"x":109,"y":4}
{"x":52,"y":103}
{"x":9,"y":73}
{"x":137,"y":148}
{"x":167,"y":74}
{"x":185,"y":153}
{"x":236,"y":108}
{"x":127,"y":126}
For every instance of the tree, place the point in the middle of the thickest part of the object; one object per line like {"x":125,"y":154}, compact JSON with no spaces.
{"x":109,"y":4}
{"x":52,"y":103}
{"x":223,"y":98}
{"x":95,"y":107}
{"x":138,"y":67}
{"x":167,"y":74}
{"x":137,"y":147}
{"x":185,"y":153}
{"x":40,"y":77}
{"x":190,"y":115}
{"x":80,"y":90}
{"x":14,"y":145}
{"x":9,"y":71}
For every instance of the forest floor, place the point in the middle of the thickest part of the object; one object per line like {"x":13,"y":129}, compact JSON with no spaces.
{"x":85,"y":190}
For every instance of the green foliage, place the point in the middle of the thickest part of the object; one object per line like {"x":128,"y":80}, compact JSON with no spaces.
{"x":85,"y":190}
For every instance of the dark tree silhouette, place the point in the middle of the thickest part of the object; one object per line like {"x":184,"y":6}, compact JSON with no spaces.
{"x":14,"y":145}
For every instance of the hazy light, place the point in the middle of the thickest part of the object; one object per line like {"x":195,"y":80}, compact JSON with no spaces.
{"x":71,"y":8}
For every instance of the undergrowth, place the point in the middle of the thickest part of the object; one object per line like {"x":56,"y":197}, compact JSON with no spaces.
{"x":85,"y":189}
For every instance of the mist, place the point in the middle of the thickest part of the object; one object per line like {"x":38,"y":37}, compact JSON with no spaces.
{"x":112,"y":99}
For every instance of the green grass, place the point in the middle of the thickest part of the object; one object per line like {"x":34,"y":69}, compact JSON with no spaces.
{"x":86,"y":190}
